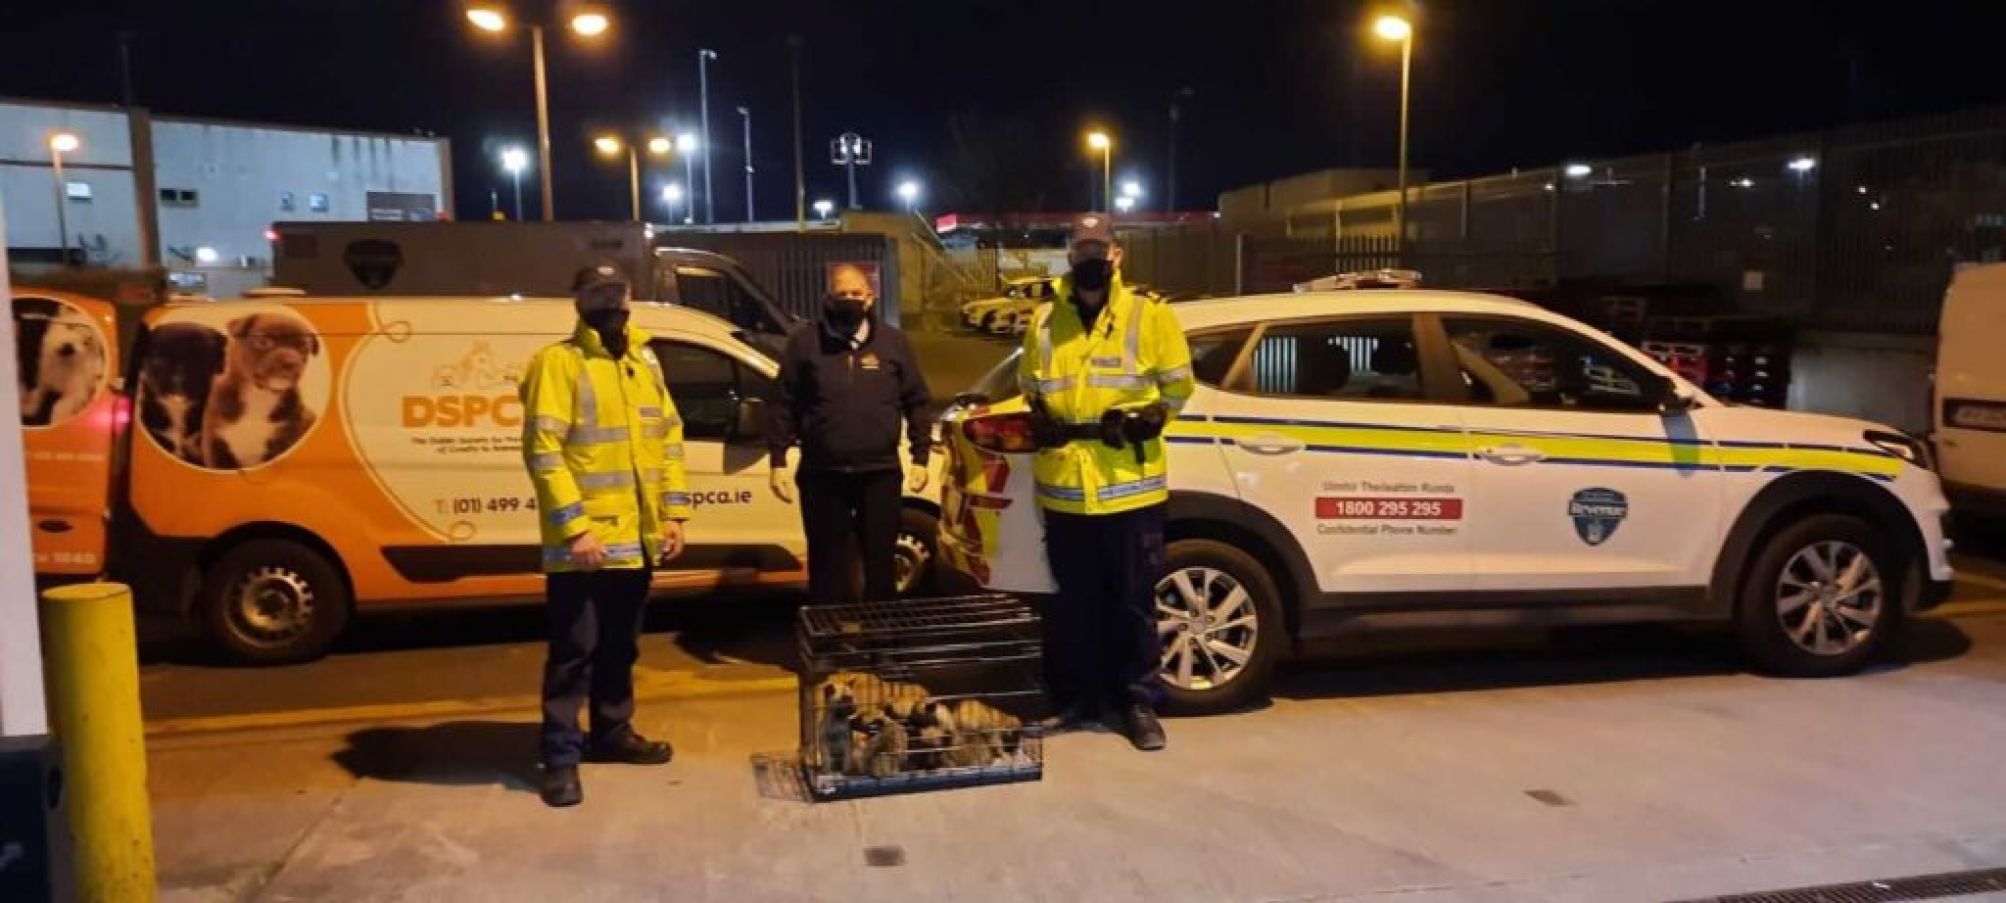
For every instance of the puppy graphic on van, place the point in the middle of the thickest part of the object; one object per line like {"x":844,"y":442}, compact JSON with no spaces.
{"x":255,"y":412}
{"x":68,"y":370}
{"x":182,"y":361}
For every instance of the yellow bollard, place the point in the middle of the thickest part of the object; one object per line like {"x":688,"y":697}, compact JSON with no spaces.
{"x":92,"y":663}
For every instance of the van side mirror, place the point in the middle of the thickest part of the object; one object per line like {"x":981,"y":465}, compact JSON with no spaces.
{"x":748,"y":424}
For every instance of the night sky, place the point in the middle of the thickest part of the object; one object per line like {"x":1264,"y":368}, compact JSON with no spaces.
{"x":986,"y":100}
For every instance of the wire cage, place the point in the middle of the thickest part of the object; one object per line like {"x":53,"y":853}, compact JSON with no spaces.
{"x":920,"y":694}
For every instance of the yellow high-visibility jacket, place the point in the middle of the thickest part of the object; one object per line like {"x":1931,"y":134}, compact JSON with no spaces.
{"x":1132,"y":354}
{"x":604,"y":447}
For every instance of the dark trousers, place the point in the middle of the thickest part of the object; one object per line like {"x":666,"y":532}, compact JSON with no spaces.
{"x":837,"y":507}
{"x":1101,"y":645}
{"x":595,"y":630}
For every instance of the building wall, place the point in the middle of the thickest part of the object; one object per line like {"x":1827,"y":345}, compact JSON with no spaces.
{"x":107,"y":223}
{"x":245,"y":177}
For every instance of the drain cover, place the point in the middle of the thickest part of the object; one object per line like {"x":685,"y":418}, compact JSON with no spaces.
{"x":1919,"y":887}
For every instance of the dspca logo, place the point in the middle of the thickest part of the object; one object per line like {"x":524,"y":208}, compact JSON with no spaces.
{"x":1597,"y":513}
{"x":473,"y":391}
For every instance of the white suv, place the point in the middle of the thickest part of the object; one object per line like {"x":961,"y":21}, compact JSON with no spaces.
{"x":1376,"y":459}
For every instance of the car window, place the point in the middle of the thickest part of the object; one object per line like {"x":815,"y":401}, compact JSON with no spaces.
{"x":1515,"y":363}
{"x":1000,"y":383}
{"x":706,"y":386}
{"x":1212,"y":354}
{"x":716,"y":293}
{"x":1356,"y":358}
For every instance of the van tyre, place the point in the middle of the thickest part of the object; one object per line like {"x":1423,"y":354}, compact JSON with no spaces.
{"x":273,"y":602}
{"x":1219,"y":617}
{"x":915,"y":555}
{"x":1821,"y":600}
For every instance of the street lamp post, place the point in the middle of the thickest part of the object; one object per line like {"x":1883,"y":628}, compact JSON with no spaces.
{"x":746,"y":114}
{"x":1394,"y":28}
{"x":686,"y":144}
{"x":62,"y":143}
{"x":703,"y":107}
{"x":586,"y":21}
{"x":1101,"y":142}
{"x":514,"y":159}
{"x":611,"y":145}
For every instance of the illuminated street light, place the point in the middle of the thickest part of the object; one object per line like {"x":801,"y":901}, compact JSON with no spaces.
{"x":1100,"y":141}
{"x":1131,"y":188}
{"x":1125,"y":203}
{"x":1803,"y":164}
{"x":607,"y":144}
{"x":672,"y":194}
{"x":824,"y":207}
{"x":514,"y":160}
{"x":61,"y":143}
{"x":908,"y":192}
{"x":611,"y":145}
{"x":588,"y":22}
{"x":660,"y":146}
{"x":1394,"y":28}
{"x":1578,"y":170}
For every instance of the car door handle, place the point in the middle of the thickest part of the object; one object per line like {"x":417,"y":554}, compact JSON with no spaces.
{"x":1511,"y":455}
{"x":1270,"y":444}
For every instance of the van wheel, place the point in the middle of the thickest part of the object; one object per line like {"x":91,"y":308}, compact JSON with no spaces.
{"x":1219,"y":619}
{"x":1822,"y":599}
{"x":273,"y":602}
{"x":913,"y":557}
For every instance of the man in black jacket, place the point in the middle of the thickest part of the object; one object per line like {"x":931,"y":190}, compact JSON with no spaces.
{"x":845,"y":384}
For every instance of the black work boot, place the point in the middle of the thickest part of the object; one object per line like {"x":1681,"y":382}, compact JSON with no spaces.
{"x":1070,"y":717}
{"x":1139,"y":722}
{"x":630,"y":748}
{"x":561,"y":787}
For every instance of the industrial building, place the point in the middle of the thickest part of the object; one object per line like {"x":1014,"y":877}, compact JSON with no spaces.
{"x":197,"y":196}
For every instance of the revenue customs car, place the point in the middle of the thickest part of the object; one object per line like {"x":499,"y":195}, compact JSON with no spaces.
{"x":1401,"y":458}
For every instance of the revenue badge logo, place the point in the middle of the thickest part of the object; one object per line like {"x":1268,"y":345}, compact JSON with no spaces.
{"x":1597,"y":513}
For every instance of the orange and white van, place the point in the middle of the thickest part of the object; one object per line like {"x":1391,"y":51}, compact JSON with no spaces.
{"x":71,"y":411}
{"x":291,"y":461}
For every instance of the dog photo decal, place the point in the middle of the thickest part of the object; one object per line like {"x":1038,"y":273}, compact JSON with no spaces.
{"x":234,"y":395}
{"x":61,"y":359}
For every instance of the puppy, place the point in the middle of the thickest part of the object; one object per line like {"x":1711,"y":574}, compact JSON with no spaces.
{"x":878,"y":746}
{"x":181,"y":364}
{"x":255,"y":413}
{"x":983,"y":734}
{"x":68,"y":369}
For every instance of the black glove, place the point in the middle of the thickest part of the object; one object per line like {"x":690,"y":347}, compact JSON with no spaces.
{"x":1045,"y":431}
{"x":1112,"y":423}
{"x":1145,"y":423}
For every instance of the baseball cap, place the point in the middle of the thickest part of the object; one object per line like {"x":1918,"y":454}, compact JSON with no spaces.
{"x":598,"y":287}
{"x":1092,"y":227}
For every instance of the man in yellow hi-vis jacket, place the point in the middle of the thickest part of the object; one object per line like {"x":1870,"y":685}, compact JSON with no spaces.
{"x":604,"y":447}
{"x":1105,"y":371}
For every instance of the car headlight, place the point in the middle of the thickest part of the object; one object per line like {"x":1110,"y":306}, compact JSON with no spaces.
{"x":1902,"y":446}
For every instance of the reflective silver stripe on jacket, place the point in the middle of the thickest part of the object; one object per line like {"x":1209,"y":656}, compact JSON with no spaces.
{"x":605,"y":480}
{"x":651,"y":411}
{"x":1049,"y":386}
{"x":673,"y":451}
{"x":547,"y":461}
{"x":1131,"y":343}
{"x":1041,"y":322}
{"x":675,"y":499}
{"x":544,"y":423}
{"x":567,"y":514}
{"x":1062,"y":493}
{"x":625,"y":550}
{"x":1124,"y":490}
{"x":1172,"y":375}
{"x":594,"y":435}
{"x":588,"y":398}
{"x":1111,"y":381}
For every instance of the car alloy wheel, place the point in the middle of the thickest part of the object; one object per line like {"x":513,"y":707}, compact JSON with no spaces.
{"x":1829,"y":597}
{"x":1208,"y":627}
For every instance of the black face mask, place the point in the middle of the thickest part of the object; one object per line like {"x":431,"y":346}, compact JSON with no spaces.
{"x":1092,"y":275}
{"x":611,"y":325}
{"x":845,"y":312}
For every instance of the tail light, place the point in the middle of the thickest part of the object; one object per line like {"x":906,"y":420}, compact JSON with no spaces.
{"x":1002,"y":433}
{"x":121,"y":413}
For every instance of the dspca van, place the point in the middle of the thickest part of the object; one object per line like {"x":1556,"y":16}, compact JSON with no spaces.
{"x":1970,"y":403}
{"x":291,"y":461}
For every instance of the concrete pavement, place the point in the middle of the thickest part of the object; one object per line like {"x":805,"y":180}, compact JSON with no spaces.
{"x":1607,"y":765}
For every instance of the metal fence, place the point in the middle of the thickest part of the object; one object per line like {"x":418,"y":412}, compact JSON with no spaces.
{"x":794,"y":265}
{"x":1854,"y":229}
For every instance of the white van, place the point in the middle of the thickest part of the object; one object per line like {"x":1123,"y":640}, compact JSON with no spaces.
{"x":1969,"y":410}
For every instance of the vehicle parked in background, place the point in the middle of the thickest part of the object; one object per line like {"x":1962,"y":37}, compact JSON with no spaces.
{"x":293,"y":460}
{"x":1019,"y":294}
{"x":1969,"y":407}
{"x":1365,"y":460}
